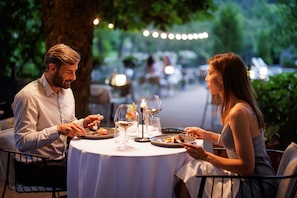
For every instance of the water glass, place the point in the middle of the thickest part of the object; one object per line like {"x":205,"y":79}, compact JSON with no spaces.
{"x":120,"y":138}
{"x":154,"y":126}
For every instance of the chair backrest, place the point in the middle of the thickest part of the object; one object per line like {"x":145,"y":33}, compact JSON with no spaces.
{"x":7,"y":141}
{"x":25,"y":178}
{"x":288,"y":166}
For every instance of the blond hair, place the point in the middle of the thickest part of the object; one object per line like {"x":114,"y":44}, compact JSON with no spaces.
{"x":60,"y":54}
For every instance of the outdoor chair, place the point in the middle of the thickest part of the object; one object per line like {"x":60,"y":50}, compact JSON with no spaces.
{"x":10,"y":159}
{"x":286,"y":178}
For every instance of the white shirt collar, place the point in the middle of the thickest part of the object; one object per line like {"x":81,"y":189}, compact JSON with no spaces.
{"x":47,"y":88}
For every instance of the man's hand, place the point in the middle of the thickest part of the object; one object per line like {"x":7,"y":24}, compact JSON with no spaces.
{"x":93,"y":121}
{"x":71,"y":129}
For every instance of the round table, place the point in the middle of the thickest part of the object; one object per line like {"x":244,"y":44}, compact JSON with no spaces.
{"x":96,"y":168}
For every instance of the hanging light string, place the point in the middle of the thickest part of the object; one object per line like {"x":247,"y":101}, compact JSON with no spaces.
{"x":175,"y":36}
{"x":163,"y":35}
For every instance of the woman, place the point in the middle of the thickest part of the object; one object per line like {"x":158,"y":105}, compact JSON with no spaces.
{"x":242,"y":134}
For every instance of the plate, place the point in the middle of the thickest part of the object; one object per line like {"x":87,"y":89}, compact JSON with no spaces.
{"x":160,"y":140}
{"x":166,"y":130}
{"x":94,"y":135}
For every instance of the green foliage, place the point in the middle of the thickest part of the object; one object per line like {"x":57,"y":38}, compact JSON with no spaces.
{"x":264,"y":47}
{"x":259,"y":17}
{"x":285,"y":26}
{"x":277,"y":100}
{"x":227,"y":31}
{"x":135,"y":15}
{"x":105,"y":42}
{"x":20,"y":38}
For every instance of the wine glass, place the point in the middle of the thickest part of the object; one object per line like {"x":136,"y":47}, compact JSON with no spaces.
{"x":153,"y":104}
{"x":124,"y":118}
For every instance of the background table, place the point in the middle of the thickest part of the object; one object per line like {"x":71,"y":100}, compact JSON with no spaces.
{"x":96,"y":168}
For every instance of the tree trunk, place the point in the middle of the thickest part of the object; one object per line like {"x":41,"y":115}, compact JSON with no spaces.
{"x":71,"y":22}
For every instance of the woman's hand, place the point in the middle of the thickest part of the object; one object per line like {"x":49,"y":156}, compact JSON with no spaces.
{"x":195,"y":132}
{"x":195,"y":151}
{"x":93,"y":120}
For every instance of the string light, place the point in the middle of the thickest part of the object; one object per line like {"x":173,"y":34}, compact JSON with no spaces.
{"x":146,"y":33}
{"x":110,"y":26}
{"x":171,"y":36}
{"x":155,"y":34}
{"x":96,"y":21}
{"x":177,"y":36}
{"x":164,"y":35}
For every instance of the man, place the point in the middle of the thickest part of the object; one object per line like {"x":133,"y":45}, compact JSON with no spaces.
{"x":44,"y":113}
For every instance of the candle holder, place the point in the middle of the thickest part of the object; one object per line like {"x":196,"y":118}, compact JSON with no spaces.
{"x":142,"y":138}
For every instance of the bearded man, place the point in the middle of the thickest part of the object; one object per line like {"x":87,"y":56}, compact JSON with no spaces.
{"x":44,"y":115}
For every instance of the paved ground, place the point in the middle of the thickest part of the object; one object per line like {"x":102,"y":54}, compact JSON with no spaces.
{"x":189,"y":107}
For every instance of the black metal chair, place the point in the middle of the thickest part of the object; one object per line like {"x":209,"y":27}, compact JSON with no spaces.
{"x":21,"y":184}
{"x":12,"y":169}
{"x":286,"y":178}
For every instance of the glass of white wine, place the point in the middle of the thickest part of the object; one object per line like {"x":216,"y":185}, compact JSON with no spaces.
{"x":154,"y":104}
{"x":124,"y":118}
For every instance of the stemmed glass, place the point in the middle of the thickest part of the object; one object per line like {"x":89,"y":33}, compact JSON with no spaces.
{"x":154,"y":104}
{"x":125,"y":117}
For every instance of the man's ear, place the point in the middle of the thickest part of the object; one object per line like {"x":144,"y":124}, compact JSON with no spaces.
{"x":52,"y":67}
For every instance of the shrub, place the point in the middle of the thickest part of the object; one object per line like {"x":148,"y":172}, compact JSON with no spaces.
{"x":277,"y":100}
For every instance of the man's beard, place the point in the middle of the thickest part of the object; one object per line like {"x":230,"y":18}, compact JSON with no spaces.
{"x":58,"y":81}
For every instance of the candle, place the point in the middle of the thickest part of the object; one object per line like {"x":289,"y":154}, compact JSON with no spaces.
{"x":145,"y":115}
{"x":143,"y":109}
{"x":143,"y":104}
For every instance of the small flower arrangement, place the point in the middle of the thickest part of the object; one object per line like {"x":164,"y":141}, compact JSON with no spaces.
{"x":131,"y":111}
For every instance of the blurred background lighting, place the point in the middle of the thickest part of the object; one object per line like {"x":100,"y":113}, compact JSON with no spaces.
{"x":96,"y":21}
{"x":155,"y":34}
{"x":190,"y":37}
{"x":163,"y":35}
{"x":146,"y":33}
{"x":171,"y":36}
{"x":110,"y":26}
{"x":178,"y":37}
{"x":169,"y":69}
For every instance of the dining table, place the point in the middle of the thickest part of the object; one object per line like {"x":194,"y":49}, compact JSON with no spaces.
{"x":99,"y":168}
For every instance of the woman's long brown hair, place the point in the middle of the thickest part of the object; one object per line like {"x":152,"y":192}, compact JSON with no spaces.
{"x":235,"y":81}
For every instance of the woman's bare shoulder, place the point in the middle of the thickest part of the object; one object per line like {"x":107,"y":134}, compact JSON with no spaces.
{"x":241,"y":110}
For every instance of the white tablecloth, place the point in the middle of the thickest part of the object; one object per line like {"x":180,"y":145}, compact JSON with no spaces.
{"x":96,"y":168}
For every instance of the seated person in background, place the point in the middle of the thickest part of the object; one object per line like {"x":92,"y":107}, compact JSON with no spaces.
{"x":44,"y":112}
{"x":150,"y":81}
{"x":151,"y":70}
{"x":150,"y":66}
{"x":242,"y":135}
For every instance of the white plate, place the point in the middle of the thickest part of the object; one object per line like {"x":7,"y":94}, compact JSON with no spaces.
{"x":94,"y":135}
{"x":160,"y":140}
